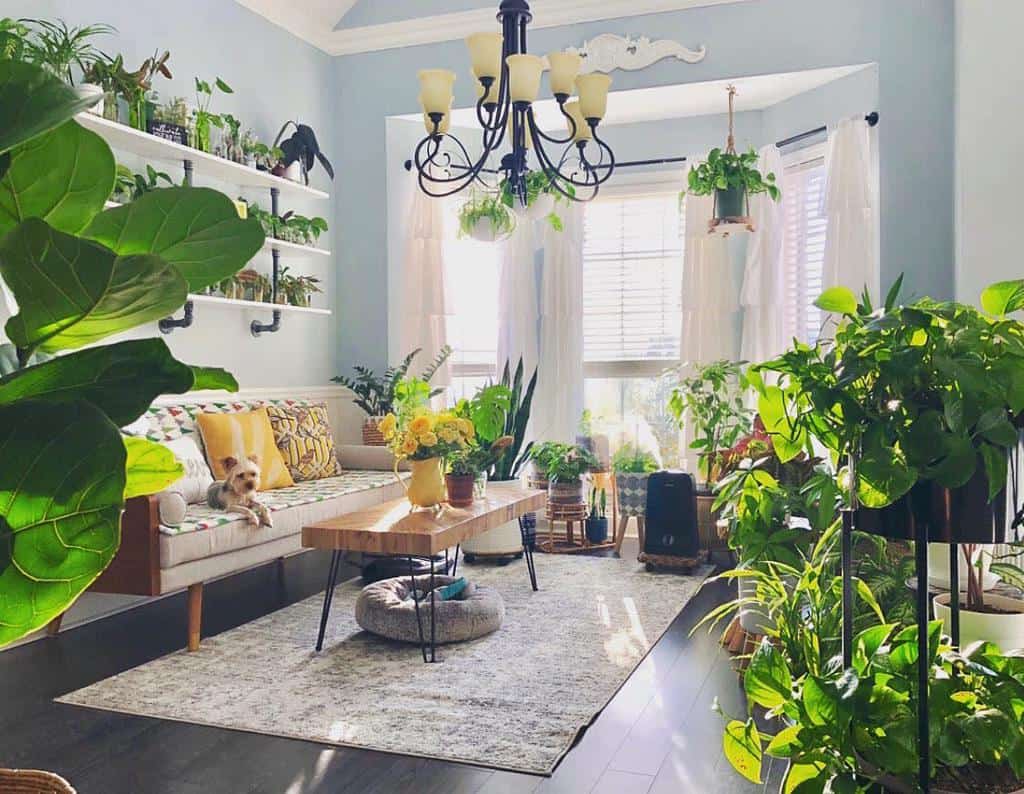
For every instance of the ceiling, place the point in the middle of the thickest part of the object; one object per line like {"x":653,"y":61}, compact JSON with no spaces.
{"x":683,"y":101}
{"x":320,"y":22}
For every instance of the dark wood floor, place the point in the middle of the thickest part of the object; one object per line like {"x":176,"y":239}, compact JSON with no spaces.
{"x":658,"y":734}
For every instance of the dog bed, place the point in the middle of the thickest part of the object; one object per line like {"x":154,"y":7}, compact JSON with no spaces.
{"x":386,"y":608}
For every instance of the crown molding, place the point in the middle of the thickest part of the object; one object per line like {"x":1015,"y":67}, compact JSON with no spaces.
{"x":449,"y":27}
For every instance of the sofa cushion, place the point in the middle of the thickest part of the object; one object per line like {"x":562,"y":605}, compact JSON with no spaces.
{"x":208,"y":532}
{"x":245,"y":434}
{"x":303,"y":437}
{"x":167,"y":422}
{"x":193,"y":484}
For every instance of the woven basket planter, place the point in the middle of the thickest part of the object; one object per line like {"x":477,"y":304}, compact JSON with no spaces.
{"x":33,"y":781}
{"x":566,"y":494}
{"x":707,"y":524}
{"x":372,"y":437}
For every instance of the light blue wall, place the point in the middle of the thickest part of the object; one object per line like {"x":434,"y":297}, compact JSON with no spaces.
{"x":275,"y":77}
{"x":911,"y":41}
{"x":853,"y":95}
{"x":374,"y":12}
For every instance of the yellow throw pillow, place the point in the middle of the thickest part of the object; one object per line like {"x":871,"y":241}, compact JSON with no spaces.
{"x":303,"y":435}
{"x":240,"y":435}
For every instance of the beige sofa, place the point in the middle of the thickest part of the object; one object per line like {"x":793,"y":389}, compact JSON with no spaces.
{"x":155,"y":558}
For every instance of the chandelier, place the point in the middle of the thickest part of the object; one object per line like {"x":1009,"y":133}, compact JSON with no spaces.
{"x":508,"y":82}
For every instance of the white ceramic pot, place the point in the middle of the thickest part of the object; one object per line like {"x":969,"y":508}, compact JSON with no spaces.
{"x":503,"y":541}
{"x":483,"y":232}
{"x":938,"y":568}
{"x":1004,"y":630}
{"x":90,"y":90}
{"x":542,"y":206}
{"x":294,"y":172}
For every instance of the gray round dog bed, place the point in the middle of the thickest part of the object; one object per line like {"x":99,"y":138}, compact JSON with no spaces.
{"x":387,"y":609}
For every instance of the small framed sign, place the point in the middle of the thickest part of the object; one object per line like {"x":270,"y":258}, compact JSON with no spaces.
{"x":169,"y":132}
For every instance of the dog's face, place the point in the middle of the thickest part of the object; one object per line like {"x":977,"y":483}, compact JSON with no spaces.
{"x":243,"y":476}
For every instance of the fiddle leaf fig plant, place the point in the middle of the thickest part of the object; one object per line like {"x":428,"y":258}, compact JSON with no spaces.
{"x":66,"y":470}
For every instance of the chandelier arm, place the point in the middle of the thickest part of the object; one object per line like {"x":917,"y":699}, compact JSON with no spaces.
{"x":605,"y":149}
{"x":472,"y":170}
{"x":555,"y":173}
{"x":537,"y":132}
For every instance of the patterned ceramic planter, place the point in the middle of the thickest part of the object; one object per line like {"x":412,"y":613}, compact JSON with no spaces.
{"x":632,"y":490}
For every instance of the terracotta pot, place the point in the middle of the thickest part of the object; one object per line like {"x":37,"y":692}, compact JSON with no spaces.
{"x":460,"y":489}
{"x":1003,"y":630}
{"x":372,"y":437}
{"x":425,"y":488}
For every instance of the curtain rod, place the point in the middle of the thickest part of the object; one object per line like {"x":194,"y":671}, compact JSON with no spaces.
{"x":871,"y":118}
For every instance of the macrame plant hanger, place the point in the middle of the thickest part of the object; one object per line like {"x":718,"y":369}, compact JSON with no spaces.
{"x":724,"y":225}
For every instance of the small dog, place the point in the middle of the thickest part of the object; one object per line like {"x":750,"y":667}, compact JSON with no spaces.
{"x":237,"y":493}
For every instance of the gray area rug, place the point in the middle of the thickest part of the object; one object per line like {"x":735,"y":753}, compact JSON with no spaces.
{"x":512,"y":700}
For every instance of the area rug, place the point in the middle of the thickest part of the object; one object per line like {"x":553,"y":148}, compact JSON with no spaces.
{"x":514,"y":700}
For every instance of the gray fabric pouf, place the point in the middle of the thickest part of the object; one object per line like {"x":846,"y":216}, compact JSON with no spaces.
{"x":384,"y":608}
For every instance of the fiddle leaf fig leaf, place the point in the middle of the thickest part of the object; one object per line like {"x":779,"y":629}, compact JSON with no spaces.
{"x":60,"y":509}
{"x":33,"y":102}
{"x":1003,"y":297}
{"x":213,"y":378}
{"x":63,"y":177}
{"x":72,"y":292}
{"x":839,"y":300}
{"x":149,"y":468}
{"x":195,"y":229}
{"x":741,"y":744}
{"x":120,"y":379}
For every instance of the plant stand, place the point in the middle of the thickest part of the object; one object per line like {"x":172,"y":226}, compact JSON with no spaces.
{"x":573,"y":516}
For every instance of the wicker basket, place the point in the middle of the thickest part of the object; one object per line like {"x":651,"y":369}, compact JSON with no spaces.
{"x":33,"y":781}
{"x":707,"y":524}
{"x":372,"y":437}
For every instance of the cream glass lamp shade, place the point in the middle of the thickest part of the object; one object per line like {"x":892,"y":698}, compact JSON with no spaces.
{"x":436,"y":89}
{"x":583,"y":131}
{"x":593,"y":91}
{"x":524,"y":76}
{"x":565,"y":66}
{"x":485,"y":54}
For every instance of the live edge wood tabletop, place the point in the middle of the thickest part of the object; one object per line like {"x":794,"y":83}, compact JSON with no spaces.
{"x":390,"y":528}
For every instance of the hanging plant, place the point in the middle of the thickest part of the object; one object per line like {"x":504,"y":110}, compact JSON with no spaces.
{"x":732,"y":178}
{"x":486,"y":218}
{"x":541,"y":198}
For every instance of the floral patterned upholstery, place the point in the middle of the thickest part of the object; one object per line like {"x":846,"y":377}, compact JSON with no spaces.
{"x":202,"y":517}
{"x":168,"y":422}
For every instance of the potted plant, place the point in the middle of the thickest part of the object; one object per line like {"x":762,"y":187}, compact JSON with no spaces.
{"x":109,"y":73}
{"x":299,"y":153}
{"x":203,"y":118}
{"x":375,"y":394}
{"x":927,"y":399}
{"x":485,"y":218}
{"x":632,"y":466}
{"x":566,"y":465}
{"x":233,"y":127}
{"x":14,"y":37}
{"x":541,"y":198}
{"x":467,"y":466}
{"x":267,"y":157}
{"x":59,"y":49}
{"x":732,"y":178}
{"x":596,"y":524}
{"x":129,"y":186}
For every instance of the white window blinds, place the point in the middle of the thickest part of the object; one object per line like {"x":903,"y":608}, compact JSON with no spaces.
{"x":632,"y":277}
{"x":803,"y":188}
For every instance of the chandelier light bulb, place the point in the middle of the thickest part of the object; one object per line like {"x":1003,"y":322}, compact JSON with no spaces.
{"x":583,"y":131}
{"x":485,"y":54}
{"x":436,"y":90}
{"x":593,"y":91}
{"x":524,"y":73}
{"x":565,"y":66}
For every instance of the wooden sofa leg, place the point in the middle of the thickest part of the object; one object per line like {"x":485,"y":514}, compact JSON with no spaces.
{"x":195,"y":615}
{"x":53,"y":627}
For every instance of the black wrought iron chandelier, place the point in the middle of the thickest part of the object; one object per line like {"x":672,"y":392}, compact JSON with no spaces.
{"x":508,"y":82}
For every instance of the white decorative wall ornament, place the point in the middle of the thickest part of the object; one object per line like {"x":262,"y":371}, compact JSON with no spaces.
{"x":608,"y":52}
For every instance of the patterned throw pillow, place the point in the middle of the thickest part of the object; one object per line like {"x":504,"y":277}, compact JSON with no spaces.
{"x":239,"y":435}
{"x":303,"y":436}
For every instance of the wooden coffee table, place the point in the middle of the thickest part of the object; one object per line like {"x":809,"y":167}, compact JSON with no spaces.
{"x":390,"y":528}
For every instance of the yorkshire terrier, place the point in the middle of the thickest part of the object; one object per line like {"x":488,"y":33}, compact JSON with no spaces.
{"x":237,"y":492}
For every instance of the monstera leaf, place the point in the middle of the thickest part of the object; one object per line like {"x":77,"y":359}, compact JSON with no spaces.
{"x":149,"y":468}
{"x":33,"y":102}
{"x":194,"y":228}
{"x":63,"y":177}
{"x":72,"y":292}
{"x":60,"y":508}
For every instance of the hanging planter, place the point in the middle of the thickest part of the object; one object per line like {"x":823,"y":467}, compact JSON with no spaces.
{"x":732,"y":179}
{"x":486,"y":219}
{"x":542,"y":198}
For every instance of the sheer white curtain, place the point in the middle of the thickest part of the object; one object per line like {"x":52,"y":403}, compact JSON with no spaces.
{"x":851,"y":207}
{"x":423,"y":292}
{"x":518,"y":299}
{"x":558,"y":402}
{"x":762,"y":292}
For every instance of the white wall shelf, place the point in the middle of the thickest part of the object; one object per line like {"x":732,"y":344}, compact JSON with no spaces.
{"x":294,"y":248}
{"x":260,"y":305}
{"x":121,"y":136}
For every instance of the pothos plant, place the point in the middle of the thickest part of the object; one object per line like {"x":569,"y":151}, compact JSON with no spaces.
{"x":537,"y":184}
{"x":80,"y":274}
{"x":728,"y":171}
{"x":489,"y":209}
{"x":712,"y":399}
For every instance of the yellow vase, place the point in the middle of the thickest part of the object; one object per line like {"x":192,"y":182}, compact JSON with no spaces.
{"x":426,"y":486}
